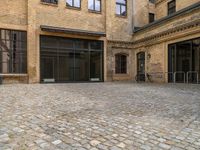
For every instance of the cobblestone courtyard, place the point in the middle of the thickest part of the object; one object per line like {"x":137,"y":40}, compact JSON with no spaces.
{"x":91,"y":116}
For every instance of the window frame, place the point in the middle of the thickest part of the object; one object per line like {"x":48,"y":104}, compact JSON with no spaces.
{"x":121,"y":4}
{"x":119,"y":68}
{"x":16,"y":60}
{"x":94,"y":10}
{"x":171,"y":9}
{"x":73,"y":7}
{"x":50,"y":1}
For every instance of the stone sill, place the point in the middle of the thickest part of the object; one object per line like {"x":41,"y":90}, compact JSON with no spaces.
{"x":49,"y":4}
{"x":73,"y":8}
{"x":13,"y":75}
{"x":121,"y":75}
{"x":93,"y":11}
{"x":121,"y":16}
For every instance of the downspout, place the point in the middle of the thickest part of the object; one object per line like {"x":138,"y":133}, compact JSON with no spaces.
{"x":132,"y":14}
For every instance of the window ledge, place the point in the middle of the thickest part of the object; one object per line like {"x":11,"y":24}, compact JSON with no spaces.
{"x":121,"y":74}
{"x":12,"y":75}
{"x":73,"y":8}
{"x":94,"y":11}
{"x":49,"y":4}
{"x":121,"y":16}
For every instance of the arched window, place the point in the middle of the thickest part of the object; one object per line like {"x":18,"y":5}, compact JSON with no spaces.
{"x":120,"y":64}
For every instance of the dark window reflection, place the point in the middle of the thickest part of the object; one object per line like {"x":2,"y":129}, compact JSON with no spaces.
{"x":120,"y":64}
{"x":95,"y":45}
{"x":96,"y":65}
{"x":13,"y":51}
{"x":184,"y":58}
{"x":71,"y":60}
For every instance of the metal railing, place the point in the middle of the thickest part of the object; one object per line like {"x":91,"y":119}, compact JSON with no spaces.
{"x":179,"y":72}
{"x":149,"y":76}
{"x":1,"y":79}
{"x":193,"y":73}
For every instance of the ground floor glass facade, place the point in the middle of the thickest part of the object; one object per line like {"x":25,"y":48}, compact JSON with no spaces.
{"x":66,"y":60}
{"x":184,"y":59}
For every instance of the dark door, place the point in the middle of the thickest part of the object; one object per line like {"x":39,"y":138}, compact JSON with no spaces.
{"x":47,"y":65}
{"x":141,"y":66}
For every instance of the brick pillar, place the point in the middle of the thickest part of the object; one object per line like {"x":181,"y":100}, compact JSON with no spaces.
{"x":32,"y":44}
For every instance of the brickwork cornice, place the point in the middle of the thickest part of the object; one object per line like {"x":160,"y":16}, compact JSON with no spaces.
{"x":168,"y":32}
{"x":120,"y":44}
{"x":160,"y":1}
{"x":156,"y":37}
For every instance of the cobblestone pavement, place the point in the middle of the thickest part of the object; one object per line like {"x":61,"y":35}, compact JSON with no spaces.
{"x":104,"y":116}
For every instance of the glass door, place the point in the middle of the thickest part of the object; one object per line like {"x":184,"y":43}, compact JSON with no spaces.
{"x":47,"y":65}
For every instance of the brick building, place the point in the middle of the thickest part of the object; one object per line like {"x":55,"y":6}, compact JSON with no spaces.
{"x":99,"y":40}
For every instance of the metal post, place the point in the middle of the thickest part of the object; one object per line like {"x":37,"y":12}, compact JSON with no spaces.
{"x":181,"y":72}
{"x":174,"y":77}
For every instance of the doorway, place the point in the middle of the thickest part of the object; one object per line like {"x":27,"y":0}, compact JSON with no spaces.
{"x":141,"y":66}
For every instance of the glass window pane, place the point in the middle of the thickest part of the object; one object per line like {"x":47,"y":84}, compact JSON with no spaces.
{"x":13,"y":52}
{"x":66,"y":43}
{"x":66,"y":65}
{"x":91,"y":4}
{"x":123,"y":10}
{"x":98,"y":5}
{"x":77,"y":3}
{"x":69,"y":2}
{"x":81,"y":66}
{"x":96,"y":45}
{"x":118,"y":9}
{"x":95,"y":66}
{"x":81,"y":44}
{"x":120,"y":63}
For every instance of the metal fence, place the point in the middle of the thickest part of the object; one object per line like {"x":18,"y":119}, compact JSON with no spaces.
{"x":184,"y":77}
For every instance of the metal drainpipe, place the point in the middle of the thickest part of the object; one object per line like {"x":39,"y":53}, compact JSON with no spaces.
{"x":132,"y":14}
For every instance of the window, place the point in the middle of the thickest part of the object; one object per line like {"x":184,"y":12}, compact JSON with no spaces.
{"x":94,"y":5}
{"x":120,"y":64}
{"x":152,"y":1}
{"x":13,"y":51}
{"x":172,"y":7}
{"x":73,"y":3}
{"x":50,"y":1}
{"x":121,"y":7}
{"x":151,"y":17}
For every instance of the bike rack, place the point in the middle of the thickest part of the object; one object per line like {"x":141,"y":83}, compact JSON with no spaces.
{"x":193,"y":72}
{"x":1,"y":79}
{"x":140,"y":74}
{"x":179,"y":72}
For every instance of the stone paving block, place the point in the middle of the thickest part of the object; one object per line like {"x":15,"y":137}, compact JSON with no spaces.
{"x":164,"y":146}
{"x":100,"y":116}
